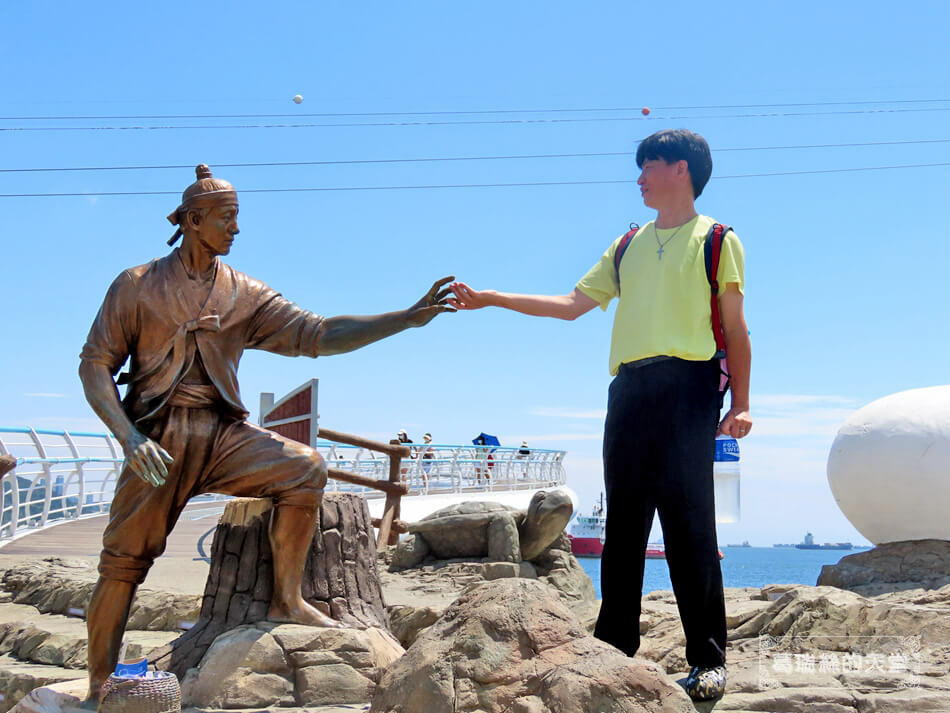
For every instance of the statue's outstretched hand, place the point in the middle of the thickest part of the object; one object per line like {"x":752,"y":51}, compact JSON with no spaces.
{"x":464,"y":297}
{"x":147,"y":459}
{"x":432,"y":303}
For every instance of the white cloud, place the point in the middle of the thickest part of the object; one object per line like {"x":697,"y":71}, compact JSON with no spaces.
{"x":70,"y":423}
{"x":798,"y":415}
{"x":40,"y":395}
{"x":782,"y":415}
{"x":785,"y":401}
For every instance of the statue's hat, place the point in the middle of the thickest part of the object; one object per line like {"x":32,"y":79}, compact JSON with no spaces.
{"x":205,"y":191}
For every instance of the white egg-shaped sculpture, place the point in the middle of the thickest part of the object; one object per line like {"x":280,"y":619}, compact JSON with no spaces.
{"x":889,"y":467}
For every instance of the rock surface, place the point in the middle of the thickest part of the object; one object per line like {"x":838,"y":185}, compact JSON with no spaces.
{"x":799,"y":649}
{"x":512,"y":645}
{"x":60,"y":586}
{"x":432,"y":585}
{"x":891,"y":567}
{"x":787,"y":643}
{"x":287,"y":665}
{"x":65,"y":698}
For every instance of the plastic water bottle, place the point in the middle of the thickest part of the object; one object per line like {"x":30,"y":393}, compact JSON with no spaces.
{"x":726,"y":479}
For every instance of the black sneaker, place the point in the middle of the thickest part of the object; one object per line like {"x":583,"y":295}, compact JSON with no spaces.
{"x":706,"y":684}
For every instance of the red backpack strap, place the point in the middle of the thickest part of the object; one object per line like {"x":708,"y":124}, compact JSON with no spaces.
{"x":621,"y":249}
{"x":712,"y":251}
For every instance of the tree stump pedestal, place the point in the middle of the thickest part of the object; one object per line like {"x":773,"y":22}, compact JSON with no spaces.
{"x":340,"y":577}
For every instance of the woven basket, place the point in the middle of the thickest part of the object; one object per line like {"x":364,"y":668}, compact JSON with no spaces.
{"x":141,"y":695}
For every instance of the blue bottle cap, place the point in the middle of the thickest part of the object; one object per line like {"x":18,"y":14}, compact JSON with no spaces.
{"x":133,"y":668}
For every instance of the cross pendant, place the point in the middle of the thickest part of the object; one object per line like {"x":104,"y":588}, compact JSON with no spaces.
{"x":659,"y":253}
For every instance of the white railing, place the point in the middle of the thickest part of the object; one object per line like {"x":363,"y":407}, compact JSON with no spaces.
{"x":64,"y":475}
{"x":452,"y":468}
{"x":59,"y":475}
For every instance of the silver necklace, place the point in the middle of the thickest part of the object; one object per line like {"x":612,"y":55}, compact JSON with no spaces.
{"x":656,"y":234}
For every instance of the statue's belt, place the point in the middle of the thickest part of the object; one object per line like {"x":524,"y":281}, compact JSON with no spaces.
{"x":194,"y":396}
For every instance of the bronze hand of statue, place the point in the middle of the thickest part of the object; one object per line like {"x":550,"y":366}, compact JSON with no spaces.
{"x":147,"y":459}
{"x":432,"y":303}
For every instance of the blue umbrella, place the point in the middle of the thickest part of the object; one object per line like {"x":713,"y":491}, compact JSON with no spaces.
{"x":485,"y":439}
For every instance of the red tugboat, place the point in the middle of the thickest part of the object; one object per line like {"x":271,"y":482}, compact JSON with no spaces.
{"x":587,"y":535}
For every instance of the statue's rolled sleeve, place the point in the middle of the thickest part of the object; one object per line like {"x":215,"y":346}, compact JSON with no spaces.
{"x":280,"y":326}
{"x":109,"y":337}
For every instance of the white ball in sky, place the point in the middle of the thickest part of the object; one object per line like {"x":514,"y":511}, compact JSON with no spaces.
{"x":298,"y":98}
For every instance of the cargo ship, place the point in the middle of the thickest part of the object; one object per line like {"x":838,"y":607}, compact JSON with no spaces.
{"x":809,"y":544}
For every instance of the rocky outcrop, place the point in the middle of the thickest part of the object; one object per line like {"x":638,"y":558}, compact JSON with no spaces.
{"x":793,"y":648}
{"x":806,"y":649}
{"x":59,"y":586}
{"x":436,"y":583}
{"x":891,"y":567}
{"x":512,"y":645}
{"x":18,"y":679}
{"x":287,"y":665}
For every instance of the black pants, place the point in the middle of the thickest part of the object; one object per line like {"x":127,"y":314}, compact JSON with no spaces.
{"x":659,"y":441}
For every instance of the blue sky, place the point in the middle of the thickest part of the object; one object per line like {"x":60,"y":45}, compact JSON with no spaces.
{"x":845,"y":270}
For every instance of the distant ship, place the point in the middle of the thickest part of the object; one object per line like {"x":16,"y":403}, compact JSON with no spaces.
{"x":587,"y":532}
{"x":810,"y":544}
{"x":587,"y":535}
{"x":745,"y":543}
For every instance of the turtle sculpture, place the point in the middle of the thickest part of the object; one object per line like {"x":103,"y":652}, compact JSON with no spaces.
{"x":484,"y":529}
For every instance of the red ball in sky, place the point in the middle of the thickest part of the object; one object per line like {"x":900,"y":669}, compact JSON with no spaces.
{"x":645,"y":110}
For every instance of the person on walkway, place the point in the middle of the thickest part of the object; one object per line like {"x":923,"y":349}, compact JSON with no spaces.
{"x":663,"y":405}
{"x":428,"y":455}
{"x":184,"y":320}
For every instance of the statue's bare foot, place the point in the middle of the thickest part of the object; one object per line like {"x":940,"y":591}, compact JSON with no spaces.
{"x":90,"y":704}
{"x":300,"y":612}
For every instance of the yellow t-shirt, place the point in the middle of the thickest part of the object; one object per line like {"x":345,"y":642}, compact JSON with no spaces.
{"x":664,"y":302}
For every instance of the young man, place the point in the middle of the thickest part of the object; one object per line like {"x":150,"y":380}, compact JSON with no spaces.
{"x":184,"y":320}
{"x":663,"y":405}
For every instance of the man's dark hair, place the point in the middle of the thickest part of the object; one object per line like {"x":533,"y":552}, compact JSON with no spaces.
{"x":674,"y":145}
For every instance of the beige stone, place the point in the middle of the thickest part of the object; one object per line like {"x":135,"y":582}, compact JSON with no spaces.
{"x":510,"y":643}
{"x":893,"y":566}
{"x":333,"y":683}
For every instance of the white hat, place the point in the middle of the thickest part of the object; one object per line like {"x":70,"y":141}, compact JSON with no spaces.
{"x":401,"y":432}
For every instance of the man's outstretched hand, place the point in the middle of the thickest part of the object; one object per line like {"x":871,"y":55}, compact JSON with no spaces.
{"x":432,"y":303}
{"x":464,"y":297}
{"x":147,"y":459}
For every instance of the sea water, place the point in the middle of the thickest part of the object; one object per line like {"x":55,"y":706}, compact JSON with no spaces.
{"x":741,"y":567}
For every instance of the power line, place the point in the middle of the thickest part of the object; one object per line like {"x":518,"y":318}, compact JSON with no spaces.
{"x":471,"y":122}
{"x":434,"y":159}
{"x":476,"y":112}
{"x":461,"y":185}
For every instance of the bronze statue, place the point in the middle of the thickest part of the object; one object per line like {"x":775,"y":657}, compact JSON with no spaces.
{"x":184,"y":320}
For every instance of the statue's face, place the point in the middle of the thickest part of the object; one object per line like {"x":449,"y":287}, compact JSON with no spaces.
{"x":217,"y":230}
